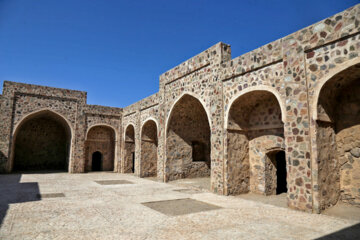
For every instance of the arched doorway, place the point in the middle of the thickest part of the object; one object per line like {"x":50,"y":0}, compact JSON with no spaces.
{"x":100,"y":140}
{"x":188,"y":140}
{"x":275,"y":173}
{"x":149,"y":143}
{"x":129,"y":151}
{"x":96,"y":164}
{"x":338,"y":139}
{"x":254,"y":130}
{"x":42,"y":142}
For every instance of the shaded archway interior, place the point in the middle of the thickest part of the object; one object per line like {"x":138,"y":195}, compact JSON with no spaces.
{"x":275,"y":173}
{"x":149,"y":144}
{"x":129,"y":154}
{"x":100,"y":140}
{"x":254,"y":130}
{"x":188,"y":140}
{"x":338,"y":139}
{"x":42,"y":143}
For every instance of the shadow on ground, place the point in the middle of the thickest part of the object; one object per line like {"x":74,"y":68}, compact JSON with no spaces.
{"x":349,"y":233}
{"x":12,"y":191}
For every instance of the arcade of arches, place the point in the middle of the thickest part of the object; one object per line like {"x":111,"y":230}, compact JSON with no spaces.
{"x":42,"y":142}
{"x":100,"y":149}
{"x":188,"y":140}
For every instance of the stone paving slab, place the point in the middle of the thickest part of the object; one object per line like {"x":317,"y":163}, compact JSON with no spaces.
{"x":93,"y":211}
{"x":177,"y":207}
{"x":113,"y":182}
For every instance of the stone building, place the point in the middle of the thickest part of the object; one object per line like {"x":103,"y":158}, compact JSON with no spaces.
{"x":282,"y":118}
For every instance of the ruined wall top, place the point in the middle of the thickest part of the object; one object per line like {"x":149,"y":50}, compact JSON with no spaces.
{"x":10,"y":88}
{"x":143,"y":104}
{"x":103,"y":110}
{"x":218,"y":53}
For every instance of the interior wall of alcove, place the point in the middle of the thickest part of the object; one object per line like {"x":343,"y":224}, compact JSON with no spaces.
{"x":100,"y":139}
{"x":149,"y":152}
{"x":338,"y":139}
{"x":42,"y":142}
{"x":129,"y":150}
{"x":188,"y":140}
{"x":255,"y":128}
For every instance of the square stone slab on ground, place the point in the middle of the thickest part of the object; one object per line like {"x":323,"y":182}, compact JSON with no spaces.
{"x":50,"y":195}
{"x":113,"y":182}
{"x":180,"y":206}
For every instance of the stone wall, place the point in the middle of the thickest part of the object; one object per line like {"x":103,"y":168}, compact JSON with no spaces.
{"x":109,"y":118}
{"x":100,"y":139}
{"x":23,"y":102}
{"x":281,"y":85}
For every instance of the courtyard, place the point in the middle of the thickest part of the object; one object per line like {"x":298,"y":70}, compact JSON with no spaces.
{"x":105,"y":205}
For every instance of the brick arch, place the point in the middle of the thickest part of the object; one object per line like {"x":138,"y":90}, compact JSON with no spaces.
{"x":55,"y":116}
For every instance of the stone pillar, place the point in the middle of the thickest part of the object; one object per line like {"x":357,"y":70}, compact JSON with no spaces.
{"x":296,"y":129}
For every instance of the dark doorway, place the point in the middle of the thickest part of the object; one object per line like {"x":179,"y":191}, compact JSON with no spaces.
{"x":96,"y":161}
{"x":281,"y":186}
{"x":133,"y":162}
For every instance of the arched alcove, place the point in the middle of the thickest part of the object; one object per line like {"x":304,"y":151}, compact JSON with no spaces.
{"x":255,"y":129}
{"x":188,"y":140}
{"x":41,"y":141}
{"x":129,"y":150}
{"x":101,"y":139}
{"x":338,"y":138}
{"x":149,"y":144}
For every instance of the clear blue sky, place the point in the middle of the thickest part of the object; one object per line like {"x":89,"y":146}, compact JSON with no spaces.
{"x":116,"y":49}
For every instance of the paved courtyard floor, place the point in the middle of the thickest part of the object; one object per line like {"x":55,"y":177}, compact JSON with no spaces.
{"x":121,"y":206}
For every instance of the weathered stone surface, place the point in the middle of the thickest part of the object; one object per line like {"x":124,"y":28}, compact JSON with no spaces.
{"x":298,"y":94}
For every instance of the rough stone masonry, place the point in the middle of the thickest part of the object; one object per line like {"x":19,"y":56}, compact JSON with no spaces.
{"x":282,"y":118}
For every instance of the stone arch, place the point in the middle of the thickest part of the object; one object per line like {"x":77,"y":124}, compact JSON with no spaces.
{"x":179,"y":98}
{"x":254,"y":128}
{"x":106,"y":125}
{"x":149,"y":148}
{"x":257,"y":88}
{"x":129,"y":149}
{"x":100,"y":138}
{"x":188,"y":139}
{"x":36,"y":130}
{"x":337,"y":132}
{"x":321,"y":82}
